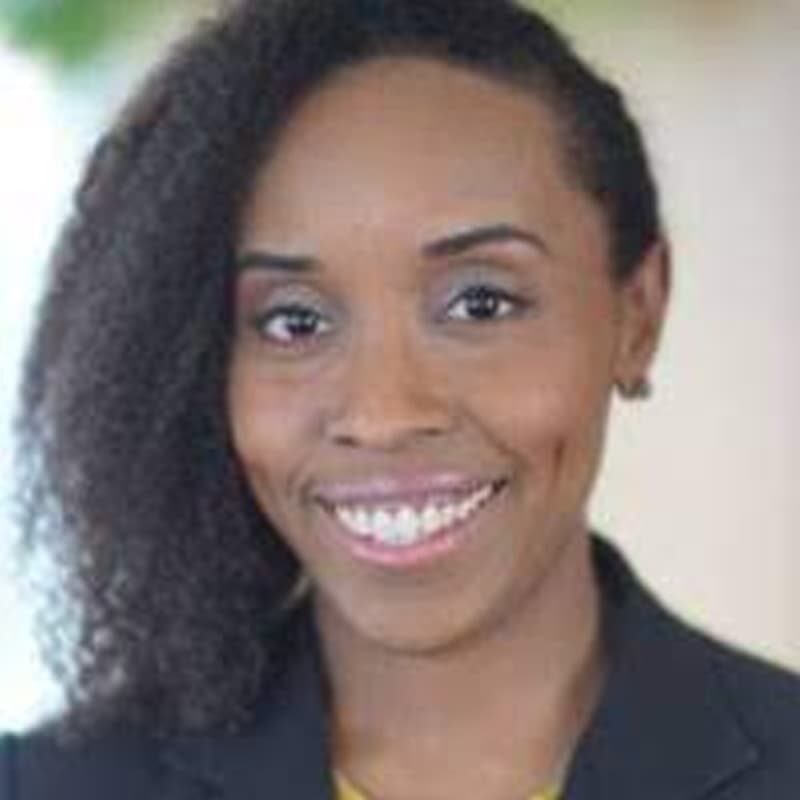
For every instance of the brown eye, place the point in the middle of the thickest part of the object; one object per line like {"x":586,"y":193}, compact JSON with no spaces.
{"x":481,"y":304}
{"x":291,"y":324}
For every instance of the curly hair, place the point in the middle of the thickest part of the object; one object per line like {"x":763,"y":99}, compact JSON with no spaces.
{"x":174,"y":589}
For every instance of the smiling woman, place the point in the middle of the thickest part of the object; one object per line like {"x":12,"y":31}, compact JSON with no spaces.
{"x":367,"y":275}
{"x":482,"y":260}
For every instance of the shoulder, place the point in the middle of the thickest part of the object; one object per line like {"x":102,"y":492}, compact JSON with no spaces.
{"x":762,"y":701}
{"x":766,"y":699}
{"x":759,"y":698}
{"x":763,"y":696}
{"x":37,"y":766}
{"x":715,"y":716}
{"x":765,"y":693}
{"x":5,"y":768}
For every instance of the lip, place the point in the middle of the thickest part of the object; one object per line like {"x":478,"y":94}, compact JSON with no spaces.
{"x":385,"y":489}
{"x":425,"y":553}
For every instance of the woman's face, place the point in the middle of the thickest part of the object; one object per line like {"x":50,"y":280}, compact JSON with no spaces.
{"x":426,"y":341}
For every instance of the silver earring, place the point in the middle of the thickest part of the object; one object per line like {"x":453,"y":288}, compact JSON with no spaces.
{"x":639,"y":388}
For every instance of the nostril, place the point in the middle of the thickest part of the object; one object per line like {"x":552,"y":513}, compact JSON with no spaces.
{"x":390,"y":422}
{"x":383,"y":432}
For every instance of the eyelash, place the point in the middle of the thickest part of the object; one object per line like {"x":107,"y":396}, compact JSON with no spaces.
{"x":501,"y":305}
{"x":301,"y":313}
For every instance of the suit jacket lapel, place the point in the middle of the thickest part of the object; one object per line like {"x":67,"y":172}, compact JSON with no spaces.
{"x":665,"y":728}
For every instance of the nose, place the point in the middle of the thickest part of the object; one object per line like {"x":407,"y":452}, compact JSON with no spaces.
{"x":389,"y":396}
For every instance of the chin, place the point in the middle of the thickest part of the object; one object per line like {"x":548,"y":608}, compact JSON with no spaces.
{"x":407,"y":627}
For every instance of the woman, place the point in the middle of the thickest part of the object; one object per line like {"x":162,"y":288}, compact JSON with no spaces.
{"x":313,"y":414}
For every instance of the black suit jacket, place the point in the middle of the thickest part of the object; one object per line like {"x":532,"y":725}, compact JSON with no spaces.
{"x":681,"y":718}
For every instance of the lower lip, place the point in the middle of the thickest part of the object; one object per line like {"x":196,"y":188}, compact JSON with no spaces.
{"x":420,"y":554}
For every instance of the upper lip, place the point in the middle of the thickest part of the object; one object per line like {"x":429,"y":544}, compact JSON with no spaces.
{"x":397,"y":488}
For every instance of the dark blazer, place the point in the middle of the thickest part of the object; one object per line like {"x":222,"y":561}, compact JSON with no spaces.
{"x":681,"y":718}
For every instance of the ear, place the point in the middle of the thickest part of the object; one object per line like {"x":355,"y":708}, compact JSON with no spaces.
{"x":643,"y":300}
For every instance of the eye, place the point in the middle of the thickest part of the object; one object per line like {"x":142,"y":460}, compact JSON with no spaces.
{"x":482,"y":304}
{"x":291,"y":324}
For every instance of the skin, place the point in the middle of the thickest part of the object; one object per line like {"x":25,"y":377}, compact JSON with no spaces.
{"x":393,"y":374}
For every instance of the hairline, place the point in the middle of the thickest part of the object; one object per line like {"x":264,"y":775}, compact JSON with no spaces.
{"x":527,"y":80}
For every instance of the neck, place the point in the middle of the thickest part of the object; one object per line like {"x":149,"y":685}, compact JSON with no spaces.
{"x":396,"y":716}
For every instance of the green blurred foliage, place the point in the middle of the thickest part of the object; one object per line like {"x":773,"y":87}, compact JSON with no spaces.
{"x":73,"y":31}
{"x":569,"y":13}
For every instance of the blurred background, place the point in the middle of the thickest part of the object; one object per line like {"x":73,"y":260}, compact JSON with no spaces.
{"x":701,"y":485}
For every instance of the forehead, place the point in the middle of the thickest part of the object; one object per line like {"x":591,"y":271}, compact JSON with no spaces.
{"x":418,"y":141}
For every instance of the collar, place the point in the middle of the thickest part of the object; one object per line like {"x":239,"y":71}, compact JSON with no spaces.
{"x":665,"y":727}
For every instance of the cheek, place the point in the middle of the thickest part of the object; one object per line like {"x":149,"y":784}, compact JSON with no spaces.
{"x":546,"y":408}
{"x":546,"y":383}
{"x":267,"y":423}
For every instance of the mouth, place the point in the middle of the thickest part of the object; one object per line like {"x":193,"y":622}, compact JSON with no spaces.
{"x":407,"y":531}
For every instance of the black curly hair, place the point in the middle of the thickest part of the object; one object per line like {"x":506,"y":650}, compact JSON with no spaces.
{"x":174,"y":590}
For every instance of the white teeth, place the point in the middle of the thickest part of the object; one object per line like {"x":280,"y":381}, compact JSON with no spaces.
{"x":363,"y":524}
{"x":404,"y":525}
{"x":449,"y":513}
{"x":355,"y":520}
{"x":381,"y":518}
{"x":431,"y":519}
{"x":382,"y":524}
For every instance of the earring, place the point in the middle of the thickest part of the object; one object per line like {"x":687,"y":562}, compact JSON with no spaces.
{"x":639,"y":388}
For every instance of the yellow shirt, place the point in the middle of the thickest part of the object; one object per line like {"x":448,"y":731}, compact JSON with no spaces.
{"x":346,"y":791}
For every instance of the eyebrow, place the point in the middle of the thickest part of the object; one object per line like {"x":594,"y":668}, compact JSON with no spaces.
{"x":263,"y":259}
{"x":470,"y":238}
{"x":447,"y":246}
